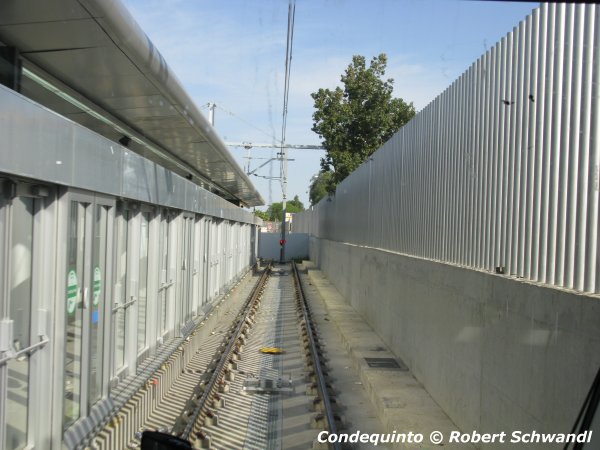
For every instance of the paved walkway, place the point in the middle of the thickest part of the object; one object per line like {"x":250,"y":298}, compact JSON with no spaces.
{"x":401,"y":403}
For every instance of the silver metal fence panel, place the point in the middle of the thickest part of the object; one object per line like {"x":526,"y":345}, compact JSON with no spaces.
{"x":191,"y":200}
{"x":545,"y":138}
{"x":501,"y":170}
{"x":514,"y":153}
{"x":538,"y":144}
{"x":568,"y":189}
{"x":521,"y":137}
{"x":592,"y":267}
{"x":139,"y":178}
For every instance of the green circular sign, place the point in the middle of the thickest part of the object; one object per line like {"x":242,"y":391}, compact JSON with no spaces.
{"x":97,"y":285}
{"x":72,"y":289}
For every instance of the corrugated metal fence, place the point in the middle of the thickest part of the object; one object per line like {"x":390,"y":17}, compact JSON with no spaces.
{"x":500,"y":170}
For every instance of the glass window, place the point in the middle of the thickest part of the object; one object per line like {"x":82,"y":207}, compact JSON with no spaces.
{"x":121,"y":280}
{"x":164,"y":264}
{"x":74,"y":312}
{"x":98,"y":299}
{"x":187,"y":268}
{"x":17,"y":398}
{"x":207,"y":262}
{"x":142,"y":294}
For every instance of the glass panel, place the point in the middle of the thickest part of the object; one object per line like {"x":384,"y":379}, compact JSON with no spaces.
{"x":207,"y":265}
{"x":98,"y":277}
{"x":190,"y":269}
{"x":121,"y":280}
{"x":196,"y":277}
{"x":142,"y":294}
{"x":74,"y":312}
{"x":17,"y":398}
{"x":164,"y":264}
{"x":185,"y":270}
{"x":161,"y":279}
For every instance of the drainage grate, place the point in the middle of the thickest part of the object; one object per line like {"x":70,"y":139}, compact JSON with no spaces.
{"x":385,"y":363}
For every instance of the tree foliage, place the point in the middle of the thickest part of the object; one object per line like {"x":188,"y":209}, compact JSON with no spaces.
{"x":262,"y":214}
{"x":320,"y":186}
{"x":355,"y":121}
{"x":274,"y":213}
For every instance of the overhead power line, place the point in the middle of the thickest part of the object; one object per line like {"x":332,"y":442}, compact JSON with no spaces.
{"x":266,"y":133}
{"x":248,"y":145}
{"x":286,"y":94}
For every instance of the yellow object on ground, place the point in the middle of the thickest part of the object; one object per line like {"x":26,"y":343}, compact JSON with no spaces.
{"x":271,"y":350}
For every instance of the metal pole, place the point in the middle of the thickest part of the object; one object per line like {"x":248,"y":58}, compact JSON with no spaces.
{"x":284,"y":205}
{"x":284,"y":162}
{"x":211,"y":113}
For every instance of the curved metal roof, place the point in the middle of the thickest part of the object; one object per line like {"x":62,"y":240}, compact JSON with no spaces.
{"x":111,"y":78}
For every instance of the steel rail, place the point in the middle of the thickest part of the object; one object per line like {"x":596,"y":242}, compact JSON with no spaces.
{"x":321,"y":383}
{"x":218,"y":371}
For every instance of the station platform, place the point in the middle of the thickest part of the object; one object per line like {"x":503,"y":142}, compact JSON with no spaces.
{"x":400,"y":401}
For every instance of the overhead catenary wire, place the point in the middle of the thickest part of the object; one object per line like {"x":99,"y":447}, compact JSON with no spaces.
{"x":276,"y":141}
{"x":288,"y":66}
{"x":280,"y":143}
{"x":286,"y":92}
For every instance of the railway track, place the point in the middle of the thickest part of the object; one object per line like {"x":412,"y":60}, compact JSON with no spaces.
{"x":256,"y":381}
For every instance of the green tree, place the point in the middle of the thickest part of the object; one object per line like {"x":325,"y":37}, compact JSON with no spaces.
{"x":355,"y":121}
{"x":262,"y":214}
{"x":275,"y":211}
{"x":319,"y":187}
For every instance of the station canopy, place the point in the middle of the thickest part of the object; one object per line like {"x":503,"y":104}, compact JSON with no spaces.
{"x":91,"y":62}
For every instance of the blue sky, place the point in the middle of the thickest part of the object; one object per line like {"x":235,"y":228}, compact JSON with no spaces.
{"x":233,"y":53}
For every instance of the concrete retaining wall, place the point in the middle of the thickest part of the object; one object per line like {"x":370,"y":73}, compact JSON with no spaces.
{"x":296,"y":246}
{"x":497,"y":353}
